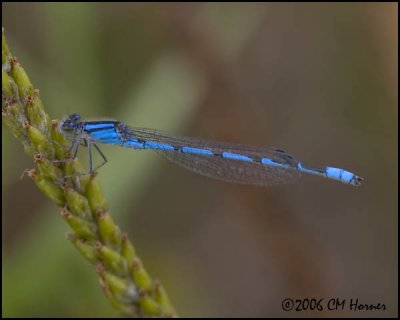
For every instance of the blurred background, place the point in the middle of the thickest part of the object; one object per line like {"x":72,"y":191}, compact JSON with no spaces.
{"x":317,"y":80}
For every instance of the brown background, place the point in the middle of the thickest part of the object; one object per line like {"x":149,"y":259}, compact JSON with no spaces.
{"x":317,"y":80}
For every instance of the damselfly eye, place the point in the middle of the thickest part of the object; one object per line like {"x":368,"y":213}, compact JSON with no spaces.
{"x":75,"y":117}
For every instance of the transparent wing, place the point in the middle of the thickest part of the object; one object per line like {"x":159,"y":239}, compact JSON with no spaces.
{"x":237,"y":171}
{"x":232,"y":170}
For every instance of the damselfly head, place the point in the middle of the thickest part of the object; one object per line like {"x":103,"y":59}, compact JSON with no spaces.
{"x":71,"y":122}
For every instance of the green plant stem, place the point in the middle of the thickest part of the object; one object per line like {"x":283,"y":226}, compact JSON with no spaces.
{"x":122,"y":276}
